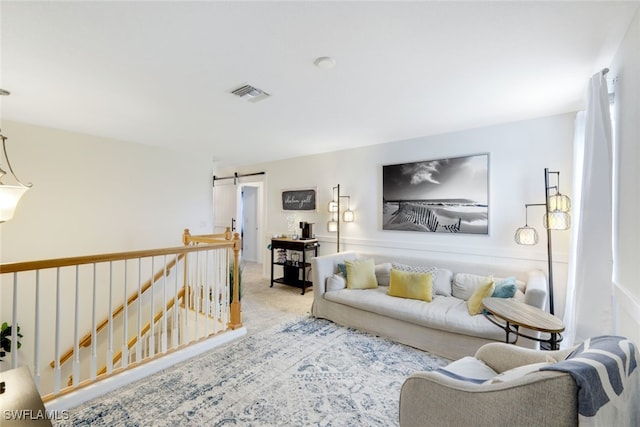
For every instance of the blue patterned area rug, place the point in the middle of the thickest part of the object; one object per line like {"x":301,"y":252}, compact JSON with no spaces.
{"x":309,"y":372}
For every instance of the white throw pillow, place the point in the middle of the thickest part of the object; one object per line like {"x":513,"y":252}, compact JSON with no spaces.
{"x":468,"y":369}
{"x":336,"y":282}
{"x":383,"y":273}
{"x":465,"y":284}
{"x":442,"y":282}
{"x":516,"y":373}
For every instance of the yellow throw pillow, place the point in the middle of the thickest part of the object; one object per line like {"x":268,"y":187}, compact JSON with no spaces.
{"x":474,"y":304}
{"x":361,"y":274}
{"x":410,"y":285}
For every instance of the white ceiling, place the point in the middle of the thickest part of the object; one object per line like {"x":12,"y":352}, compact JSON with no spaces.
{"x":161,"y":72}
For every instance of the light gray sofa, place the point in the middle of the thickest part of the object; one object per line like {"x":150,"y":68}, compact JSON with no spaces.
{"x":443,"y":326}
{"x":432,"y":399}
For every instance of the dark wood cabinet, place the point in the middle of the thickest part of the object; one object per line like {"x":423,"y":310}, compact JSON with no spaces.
{"x":295,"y":264}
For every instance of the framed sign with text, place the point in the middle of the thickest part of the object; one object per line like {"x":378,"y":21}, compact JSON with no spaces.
{"x":302,"y":199}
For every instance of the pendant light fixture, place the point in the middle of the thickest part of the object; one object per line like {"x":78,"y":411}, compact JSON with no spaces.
{"x":13,"y":189}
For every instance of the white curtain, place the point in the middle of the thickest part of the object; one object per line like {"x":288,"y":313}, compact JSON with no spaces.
{"x":588,"y":310}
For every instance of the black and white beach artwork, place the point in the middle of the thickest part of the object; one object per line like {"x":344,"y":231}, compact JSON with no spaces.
{"x":441,"y":196}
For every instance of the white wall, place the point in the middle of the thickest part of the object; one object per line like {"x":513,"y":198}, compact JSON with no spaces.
{"x":519,"y":152}
{"x":626,"y":67}
{"x":94,"y":195}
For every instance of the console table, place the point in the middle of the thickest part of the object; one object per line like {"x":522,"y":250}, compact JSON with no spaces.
{"x":293,"y":268}
{"x":517,"y":314}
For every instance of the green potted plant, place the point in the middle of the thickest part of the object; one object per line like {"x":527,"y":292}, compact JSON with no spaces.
{"x":5,"y":339}
{"x":240,"y":268}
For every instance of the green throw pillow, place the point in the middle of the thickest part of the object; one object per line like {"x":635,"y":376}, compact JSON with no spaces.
{"x":343,"y":269}
{"x":506,"y":288}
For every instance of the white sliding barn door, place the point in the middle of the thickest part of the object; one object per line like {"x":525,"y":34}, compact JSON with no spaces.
{"x":224,"y":205}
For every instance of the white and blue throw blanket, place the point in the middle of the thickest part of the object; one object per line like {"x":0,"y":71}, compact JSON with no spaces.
{"x":606,"y":371}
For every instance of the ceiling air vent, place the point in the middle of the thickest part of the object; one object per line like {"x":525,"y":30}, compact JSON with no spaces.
{"x":250,"y":93}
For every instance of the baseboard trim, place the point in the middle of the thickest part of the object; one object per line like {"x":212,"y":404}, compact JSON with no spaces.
{"x":93,"y":391}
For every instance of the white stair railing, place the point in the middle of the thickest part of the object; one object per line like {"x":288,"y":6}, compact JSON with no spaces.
{"x":54,"y":301}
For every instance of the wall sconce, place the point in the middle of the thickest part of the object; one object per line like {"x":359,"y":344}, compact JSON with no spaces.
{"x":10,"y":194}
{"x":556,"y":217}
{"x":333,"y":226}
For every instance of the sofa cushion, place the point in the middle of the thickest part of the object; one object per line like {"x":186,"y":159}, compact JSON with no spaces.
{"x":336,"y":282}
{"x":468,"y":369}
{"x":383,"y":272}
{"x":361,"y":274}
{"x":517,"y":372}
{"x":474,"y":304}
{"x":444,"y":313}
{"x":410,"y":285}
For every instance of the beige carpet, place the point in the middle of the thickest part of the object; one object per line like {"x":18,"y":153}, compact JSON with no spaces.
{"x":264,"y":307}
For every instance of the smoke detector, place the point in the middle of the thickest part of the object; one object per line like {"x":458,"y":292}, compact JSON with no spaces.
{"x":325,"y":62}
{"x":250,"y":93}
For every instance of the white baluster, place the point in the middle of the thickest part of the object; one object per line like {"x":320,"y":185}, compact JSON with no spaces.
{"x":152,"y":340}
{"x":187,"y":296}
{"x":57,"y":371}
{"x":196,"y":298}
{"x":175,"y":342}
{"x":163,"y":337}
{"x":36,"y":339}
{"x":139,"y":338}
{"x":110,"y":335}
{"x":94,"y":337}
{"x":125,"y":319}
{"x":206,"y":293}
{"x":76,"y":331}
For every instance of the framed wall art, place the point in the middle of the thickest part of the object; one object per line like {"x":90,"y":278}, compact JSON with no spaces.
{"x":300,"y":199}
{"x":448,"y":195}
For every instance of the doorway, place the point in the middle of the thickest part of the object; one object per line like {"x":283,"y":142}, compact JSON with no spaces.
{"x":249,"y":224}
{"x":240,"y":205}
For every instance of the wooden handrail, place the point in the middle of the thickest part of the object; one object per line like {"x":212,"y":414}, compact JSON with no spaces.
{"x":188,"y":238}
{"x":117,"y":256}
{"x":85,"y":341}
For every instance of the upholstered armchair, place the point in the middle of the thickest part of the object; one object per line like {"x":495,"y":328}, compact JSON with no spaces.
{"x":540,"y":398}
